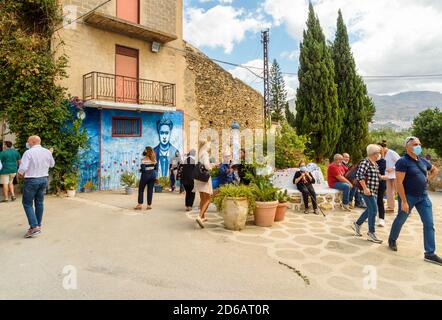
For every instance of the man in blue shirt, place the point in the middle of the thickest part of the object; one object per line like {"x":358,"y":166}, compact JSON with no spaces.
{"x":226,"y":175}
{"x":412,"y":176}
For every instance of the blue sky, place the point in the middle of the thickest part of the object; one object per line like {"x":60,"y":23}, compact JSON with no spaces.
{"x":384,"y":42}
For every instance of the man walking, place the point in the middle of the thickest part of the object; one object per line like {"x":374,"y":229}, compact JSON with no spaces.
{"x":34,"y":168}
{"x":413,"y":174}
{"x":10,"y":159}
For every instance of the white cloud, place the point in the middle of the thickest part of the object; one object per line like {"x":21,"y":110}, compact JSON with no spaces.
{"x":290,"y":55}
{"x":394,"y":37}
{"x":291,"y":84}
{"x":249,"y":76}
{"x":220,"y":26}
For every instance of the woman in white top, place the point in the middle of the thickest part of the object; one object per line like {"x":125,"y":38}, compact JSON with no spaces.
{"x":391,"y":157}
{"x":204,"y":188}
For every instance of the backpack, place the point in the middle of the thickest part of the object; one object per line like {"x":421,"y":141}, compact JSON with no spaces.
{"x":350,"y":175}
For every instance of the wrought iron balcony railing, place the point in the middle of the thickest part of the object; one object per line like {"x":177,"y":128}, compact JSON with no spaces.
{"x":111,"y":87}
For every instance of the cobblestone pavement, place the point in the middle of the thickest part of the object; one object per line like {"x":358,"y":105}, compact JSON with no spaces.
{"x":325,"y":252}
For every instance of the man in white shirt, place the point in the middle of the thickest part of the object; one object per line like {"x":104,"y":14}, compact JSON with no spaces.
{"x":34,"y":167}
{"x":391,"y":157}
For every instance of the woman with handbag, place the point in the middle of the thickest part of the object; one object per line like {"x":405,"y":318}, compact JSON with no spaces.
{"x":369,"y":177}
{"x":149,"y":174}
{"x":201,"y":183}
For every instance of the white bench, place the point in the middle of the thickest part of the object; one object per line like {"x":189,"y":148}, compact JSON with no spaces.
{"x":328,"y":198}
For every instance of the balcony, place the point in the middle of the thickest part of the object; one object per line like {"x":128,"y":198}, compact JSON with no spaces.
{"x":109,"y":90}
{"x":117,"y":25}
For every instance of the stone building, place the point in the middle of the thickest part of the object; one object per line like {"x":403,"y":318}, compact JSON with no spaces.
{"x":143,"y":85}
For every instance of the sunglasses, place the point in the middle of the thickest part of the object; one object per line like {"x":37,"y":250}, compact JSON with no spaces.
{"x":412,"y":139}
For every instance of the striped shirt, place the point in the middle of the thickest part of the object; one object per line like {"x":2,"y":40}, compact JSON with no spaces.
{"x":369,"y":172}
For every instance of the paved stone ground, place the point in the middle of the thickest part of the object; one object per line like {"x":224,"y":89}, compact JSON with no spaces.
{"x":162,"y":254}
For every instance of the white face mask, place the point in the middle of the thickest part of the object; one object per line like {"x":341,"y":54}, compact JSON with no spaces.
{"x":28,"y":146}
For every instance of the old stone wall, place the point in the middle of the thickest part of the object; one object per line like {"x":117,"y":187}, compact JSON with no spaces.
{"x":218,"y":97}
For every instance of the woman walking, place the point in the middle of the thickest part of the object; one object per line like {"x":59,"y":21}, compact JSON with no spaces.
{"x":186,"y":173}
{"x":149,"y":173}
{"x":369,"y":177}
{"x":382,"y":164}
{"x":204,"y":188}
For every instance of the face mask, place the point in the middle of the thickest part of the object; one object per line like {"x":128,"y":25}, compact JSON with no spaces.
{"x":417,"y":150}
{"x":303,"y":169}
{"x":28,"y":146}
{"x":379,"y":157}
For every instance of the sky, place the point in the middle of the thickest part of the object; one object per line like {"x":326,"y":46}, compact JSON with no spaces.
{"x":388,"y":37}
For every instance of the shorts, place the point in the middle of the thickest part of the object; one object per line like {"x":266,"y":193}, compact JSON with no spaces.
{"x":7,"y":178}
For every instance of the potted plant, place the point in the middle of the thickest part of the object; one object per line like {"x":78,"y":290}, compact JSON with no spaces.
{"x":266,"y":203}
{"x":89,"y":186}
{"x":214,"y":173}
{"x":71,"y":181}
{"x":283,"y":199}
{"x":162,"y":183}
{"x":235,"y":203}
{"x":128,"y":181}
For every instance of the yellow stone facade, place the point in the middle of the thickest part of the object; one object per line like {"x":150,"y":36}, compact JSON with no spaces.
{"x":89,"y":49}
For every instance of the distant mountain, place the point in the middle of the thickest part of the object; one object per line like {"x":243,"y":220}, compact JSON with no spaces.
{"x":405,"y":106}
{"x":398,"y":111}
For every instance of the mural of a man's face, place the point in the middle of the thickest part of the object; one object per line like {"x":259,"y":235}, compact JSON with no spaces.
{"x":164,"y":134}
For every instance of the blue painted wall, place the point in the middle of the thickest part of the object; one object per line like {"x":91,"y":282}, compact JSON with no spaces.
{"x":122,"y":154}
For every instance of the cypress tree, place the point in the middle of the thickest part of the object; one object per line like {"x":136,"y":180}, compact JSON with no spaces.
{"x":357,"y":106}
{"x":318,"y":114}
{"x":278,"y":94}
{"x":289,"y":116}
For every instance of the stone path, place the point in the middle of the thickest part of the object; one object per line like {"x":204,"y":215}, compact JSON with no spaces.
{"x":325,"y":252}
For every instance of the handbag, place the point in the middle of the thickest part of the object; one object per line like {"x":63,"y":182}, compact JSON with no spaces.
{"x":200,"y":173}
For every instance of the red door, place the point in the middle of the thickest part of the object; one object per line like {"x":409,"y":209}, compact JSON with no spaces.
{"x":129,"y":10}
{"x":126,"y":75}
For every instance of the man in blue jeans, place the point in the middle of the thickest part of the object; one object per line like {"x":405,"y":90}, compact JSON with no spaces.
{"x":34,"y":168}
{"x":336,"y":179}
{"x":412,"y":176}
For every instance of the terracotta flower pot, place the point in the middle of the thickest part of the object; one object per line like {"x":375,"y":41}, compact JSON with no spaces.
{"x":235,"y":213}
{"x":71,"y":193}
{"x":265,"y":213}
{"x":280,"y":211}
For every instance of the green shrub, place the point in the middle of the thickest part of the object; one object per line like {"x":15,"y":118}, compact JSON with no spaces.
{"x":71,"y":180}
{"x":233,"y":191}
{"x":128,"y":180}
{"x":264,"y":191}
{"x":283,"y":196}
{"x":289,"y":147}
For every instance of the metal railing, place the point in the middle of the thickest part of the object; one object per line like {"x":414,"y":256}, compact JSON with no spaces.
{"x":111,"y":87}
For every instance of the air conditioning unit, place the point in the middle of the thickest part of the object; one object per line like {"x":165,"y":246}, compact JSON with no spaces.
{"x":156,"y":46}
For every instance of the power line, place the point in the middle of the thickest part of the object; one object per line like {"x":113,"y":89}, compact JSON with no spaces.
{"x":248,"y":68}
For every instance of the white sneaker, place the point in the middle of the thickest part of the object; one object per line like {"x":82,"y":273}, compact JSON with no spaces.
{"x":200,"y":222}
{"x":381,"y":223}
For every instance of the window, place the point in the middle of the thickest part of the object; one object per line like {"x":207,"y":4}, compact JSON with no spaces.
{"x":126,"y":127}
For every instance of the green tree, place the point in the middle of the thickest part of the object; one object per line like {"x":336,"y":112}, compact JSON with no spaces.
{"x":318,"y":114}
{"x":289,"y":116}
{"x":356,"y":105}
{"x":427,"y":126}
{"x":289,"y":147}
{"x":278,"y":93}
{"x":30,"y":99}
